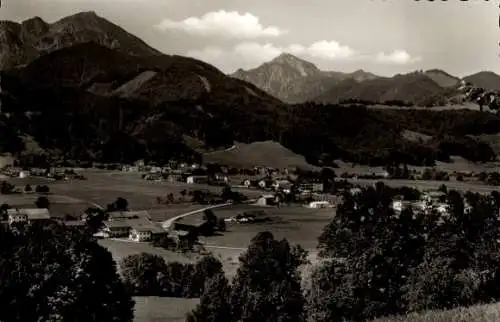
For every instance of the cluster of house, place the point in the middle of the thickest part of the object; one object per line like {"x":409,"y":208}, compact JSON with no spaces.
{"x":429,"y":201}
{"x":134,"y":225}
{"x":57,"y":173}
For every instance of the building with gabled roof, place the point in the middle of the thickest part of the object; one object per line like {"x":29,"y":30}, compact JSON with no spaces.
{"x":27,"y":214}
{"x":143,"y":229}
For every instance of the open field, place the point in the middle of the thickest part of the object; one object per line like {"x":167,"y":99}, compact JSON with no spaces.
{"x":299,"y":225}
{"x":162,"y":309}
{"x":265,"y":153}
{"x":103,"y":187}
{"x":429,"y":184}
{"x":465,"y":106}
{"x":476,"y":313}
{"x":458,"y":164}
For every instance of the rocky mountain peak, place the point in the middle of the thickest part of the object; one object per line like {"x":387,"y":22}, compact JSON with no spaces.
{"x":304,"y":67}
{"x":21,"y":43}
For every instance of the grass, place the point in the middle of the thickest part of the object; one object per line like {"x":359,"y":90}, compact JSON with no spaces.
{"x":265,"y":153}
{"x":299,"y":225}
{"x":162,"y":309}
{"x":476,"y":313}
{"x":123,"y":248}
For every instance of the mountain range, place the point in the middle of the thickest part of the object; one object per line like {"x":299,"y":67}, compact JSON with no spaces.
{"x":295,"y":80}
{"x":99,"y":93}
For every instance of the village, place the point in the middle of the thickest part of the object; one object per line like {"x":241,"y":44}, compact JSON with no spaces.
{"x":271,"y":188}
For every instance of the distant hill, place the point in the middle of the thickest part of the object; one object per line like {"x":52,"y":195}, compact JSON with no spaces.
{"x":484,"y":79}
{"x":416,"y":88}
{"x":266,"y":153}
{"x":295,"y":80}
{"x":20,"y":43}
{"x":442,"y":78}
{"x":121,"y":102}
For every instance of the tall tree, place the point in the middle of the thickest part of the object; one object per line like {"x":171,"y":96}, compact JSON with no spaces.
{"x":214,"y":303}
{"x":267,"y":284}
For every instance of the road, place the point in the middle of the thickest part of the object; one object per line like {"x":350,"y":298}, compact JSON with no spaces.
{"x":169,"y":222}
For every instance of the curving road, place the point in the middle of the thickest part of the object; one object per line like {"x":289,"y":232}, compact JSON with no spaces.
{"x":169,"y":222}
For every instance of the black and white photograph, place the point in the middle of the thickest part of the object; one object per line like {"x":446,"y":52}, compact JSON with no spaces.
{"x":249,"y":161}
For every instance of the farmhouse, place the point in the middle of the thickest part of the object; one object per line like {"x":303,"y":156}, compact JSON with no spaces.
{"x":27,"y":215}
{"x":144,"y":230}
{"x":115,"y":228}
{"x":117,"y":215}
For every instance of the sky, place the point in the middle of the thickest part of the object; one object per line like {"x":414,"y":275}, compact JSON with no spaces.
{"x":385,"y":37}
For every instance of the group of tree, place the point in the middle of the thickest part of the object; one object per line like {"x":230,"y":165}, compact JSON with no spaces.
{"x":120,"y":204}
{"x":146,"y":274}
{"x":374,"y":262}
{"x":381,"y":262}
{"x":67,"y":277}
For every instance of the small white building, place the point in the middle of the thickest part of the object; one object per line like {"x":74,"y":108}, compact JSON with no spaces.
{"x":24,"y":174}
{"x":399,"y":205}
{"x":266,"y":200}
{"x":319,"y":204}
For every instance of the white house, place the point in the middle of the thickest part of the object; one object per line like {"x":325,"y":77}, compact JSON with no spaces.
{"x":266,"y":200}
{"x":24,"y":174}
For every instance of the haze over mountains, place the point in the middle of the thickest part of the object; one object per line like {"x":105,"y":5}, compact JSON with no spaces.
{"x":86,"y":89}
{"x":295,"y":80}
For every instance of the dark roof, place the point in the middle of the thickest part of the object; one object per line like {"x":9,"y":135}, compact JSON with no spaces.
{"x":143,"y":224}
{"x":128,"y":214}
{"x":31,"y":213}
{"x":117,"y":224}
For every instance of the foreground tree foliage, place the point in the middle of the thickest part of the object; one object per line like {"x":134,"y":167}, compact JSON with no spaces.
{"x":380,"y":262}
{"x":148,"y":275}
{"x":214,"y":303}
{"x":267,"y":284}
{"x":50,"y":273}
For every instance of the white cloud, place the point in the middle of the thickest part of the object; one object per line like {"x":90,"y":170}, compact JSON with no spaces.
{"x":250,"y":54}
{"x":230,"y":24}
{"x":259,"y":53}
{"x":397,"y":57}
{"x":329,"y":50}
